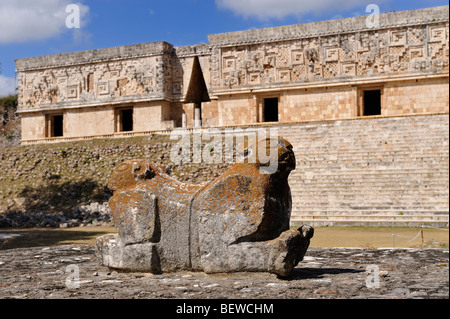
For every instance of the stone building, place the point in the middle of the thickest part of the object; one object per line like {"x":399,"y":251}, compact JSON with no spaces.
{"x":366,"y":108}
{"x":329,"y":70}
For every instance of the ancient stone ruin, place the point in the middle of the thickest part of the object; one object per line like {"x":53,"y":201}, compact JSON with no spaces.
{"x":367,"y":105}
{"x":239,"y":222}
{"x":327,"y":70}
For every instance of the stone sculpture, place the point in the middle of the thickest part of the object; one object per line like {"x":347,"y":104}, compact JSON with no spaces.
{"x":238,"y":222}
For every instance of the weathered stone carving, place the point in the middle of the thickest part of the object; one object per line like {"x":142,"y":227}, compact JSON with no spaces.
{"x":100,"y":76}
{"x":328,"y":56}
{"x":238,"y":222}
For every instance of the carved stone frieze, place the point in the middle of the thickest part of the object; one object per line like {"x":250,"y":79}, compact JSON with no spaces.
{"x":360,"y":54}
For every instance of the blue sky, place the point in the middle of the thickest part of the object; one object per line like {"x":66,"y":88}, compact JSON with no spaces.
{"x":38,"y":27}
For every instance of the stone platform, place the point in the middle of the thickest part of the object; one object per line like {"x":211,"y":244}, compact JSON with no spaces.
{"x":341,"y":273}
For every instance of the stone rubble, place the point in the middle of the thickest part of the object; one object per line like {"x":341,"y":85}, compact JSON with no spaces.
{"x":95,"y":214}
{"x":339,"y":273}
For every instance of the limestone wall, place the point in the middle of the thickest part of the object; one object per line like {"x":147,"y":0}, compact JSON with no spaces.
{"x":320,"y":103}
{"x":386,"y":171}
{"x":413,"y":97}
{"x":33,"y":126}
{"x":390,"y":171}
{"x":426,"y":96}
{"x":91,"y":121}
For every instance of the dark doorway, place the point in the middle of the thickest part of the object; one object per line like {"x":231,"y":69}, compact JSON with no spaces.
{"x":57,"y":126}
{"x":372,"y":102}
{"x":126,"y":120}
{"x":197,"y":92}
{"x":271,"y":110}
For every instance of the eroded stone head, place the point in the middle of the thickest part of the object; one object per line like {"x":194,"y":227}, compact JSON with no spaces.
{"x":272,"y":155}
{"x":130,"y":173}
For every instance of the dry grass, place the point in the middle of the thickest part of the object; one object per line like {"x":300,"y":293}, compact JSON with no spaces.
{"x":43,"y":237}
{"x":379,"y":237}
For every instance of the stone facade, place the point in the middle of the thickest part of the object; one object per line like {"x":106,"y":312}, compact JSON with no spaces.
{"x":317,"y":71}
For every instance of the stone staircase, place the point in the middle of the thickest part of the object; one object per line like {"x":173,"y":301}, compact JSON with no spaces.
{"x":371,"y":172}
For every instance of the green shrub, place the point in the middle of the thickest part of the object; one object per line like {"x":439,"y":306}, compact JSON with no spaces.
{"x":9,"y":102}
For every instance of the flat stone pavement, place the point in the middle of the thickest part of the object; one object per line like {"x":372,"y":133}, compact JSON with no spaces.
{"x":73,"y":272}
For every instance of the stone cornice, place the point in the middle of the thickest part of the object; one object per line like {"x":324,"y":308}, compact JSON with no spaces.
{"x":193,"y":50}
{"x":94,"y":56}
{"x":333,"y":27}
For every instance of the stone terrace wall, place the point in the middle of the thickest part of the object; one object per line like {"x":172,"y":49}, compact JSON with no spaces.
{"x":385,"y":171}
{"x":378,"y":172}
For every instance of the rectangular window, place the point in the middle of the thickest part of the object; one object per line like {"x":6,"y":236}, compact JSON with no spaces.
{"x":271,"y":110}
{"x":372,"y":102}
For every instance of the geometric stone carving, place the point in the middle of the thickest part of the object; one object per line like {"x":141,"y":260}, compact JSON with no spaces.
{"x":349,"y":69}
{"x":417,"y":52}
{"x":298,"y":57}
{"x":283,"y":75}
{"x":177,"y":88}
{"x":254,"y":78}
{"x":102,"y":88}
{"x":72,"y":92}
{"x":332,"y":55}
{"x":271,"y":61}
{"x":437,"y":34}
{"x":398,"y":38}
{"x":229,"y":63}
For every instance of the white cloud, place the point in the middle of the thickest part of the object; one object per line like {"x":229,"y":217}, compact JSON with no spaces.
{"x":7,"y":86}
{"x":266,"y":9}
{"x":29,"y":20}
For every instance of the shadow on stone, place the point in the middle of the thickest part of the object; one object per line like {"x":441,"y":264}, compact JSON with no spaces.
{"x":62,"y":196}
{"x":317,"y":273}
{"x":43,"y":238}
